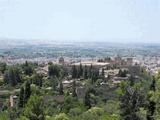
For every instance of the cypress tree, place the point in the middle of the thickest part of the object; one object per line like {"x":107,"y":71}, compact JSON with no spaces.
{"x":94,"y":76}
{"x":26,"y":64}
{"x":21,"y":98}
{"x":87,"y":101}
{"x":85,"y":72}
{"x":78,"y":73}
{"x":27,"y":92}
{"x":90,"y":72}
{"x":91,"y":67}
{"x":74,"y":71}
{"x":103,"y":76}
{"x":11,"y":77}
{"x":74,"y":94}
{"x":61,"y":88}
{"x":80,"y":69}
{"x":132,"y":80}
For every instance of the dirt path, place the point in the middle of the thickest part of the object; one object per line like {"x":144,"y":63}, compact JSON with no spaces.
{"x":9,"y":91}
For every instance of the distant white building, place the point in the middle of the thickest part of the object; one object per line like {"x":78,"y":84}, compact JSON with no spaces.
{"x":67,"y":83}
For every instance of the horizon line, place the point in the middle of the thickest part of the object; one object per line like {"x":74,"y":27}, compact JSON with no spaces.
{"x":84,"y":40}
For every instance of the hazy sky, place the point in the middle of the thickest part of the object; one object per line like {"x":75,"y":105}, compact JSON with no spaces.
{"x":97,"y":20}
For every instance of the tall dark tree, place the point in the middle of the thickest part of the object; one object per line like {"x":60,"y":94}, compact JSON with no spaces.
{"x":12,"y":79}
{"x":132,"y":80}
{"x":27,"y":92}
{"x":91,"y":66}
{"x":21,"y":98}
{"x":78,"y":73}
{"x":61,"y":88}
{"x":152,"y":87}
{"x":85,"y":72}
{"x":74,"y":71}
{"x":97,"y":74}
{"x":87,"y":101}
{"x":17,"y":75}
{"x":152,"y":103}
{"x":103,"y":75}
{"x":26,"y":63}
{"x":94,"y":76}
{"x":6,"y":78}
{"x":80,"y":69}
{"x":90,"y":71}
{"x":74,"y":94}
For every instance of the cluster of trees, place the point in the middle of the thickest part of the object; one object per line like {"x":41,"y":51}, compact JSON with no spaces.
{"x":85,"y":72}
{"x":57,"y":71}
{"x":21,"y":73}
{"x":131,"y":101}
{"x":34,"y":109}
{"x":137,"y":102}
{"x":100,"y":60}
{"x":3,"y":67}
{"x":107,"y":58}
{"x":103,"y":60}
{"x":77,"y":72}
{"x":135,"y":99}
{"x":151,"y":102}
{"x":12,"y":75}
{"x":122,"y":73}
{"x":153,"y":112}
{"x":28,"y":68}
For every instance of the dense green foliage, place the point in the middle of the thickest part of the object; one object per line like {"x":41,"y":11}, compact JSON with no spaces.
{"x":151,"y":105}
{"x":12,"y":76}
{"x":2,"y":67}
{"x":37,"y":79}
{"x":34,"y":109}
{"x":135,"y":98}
